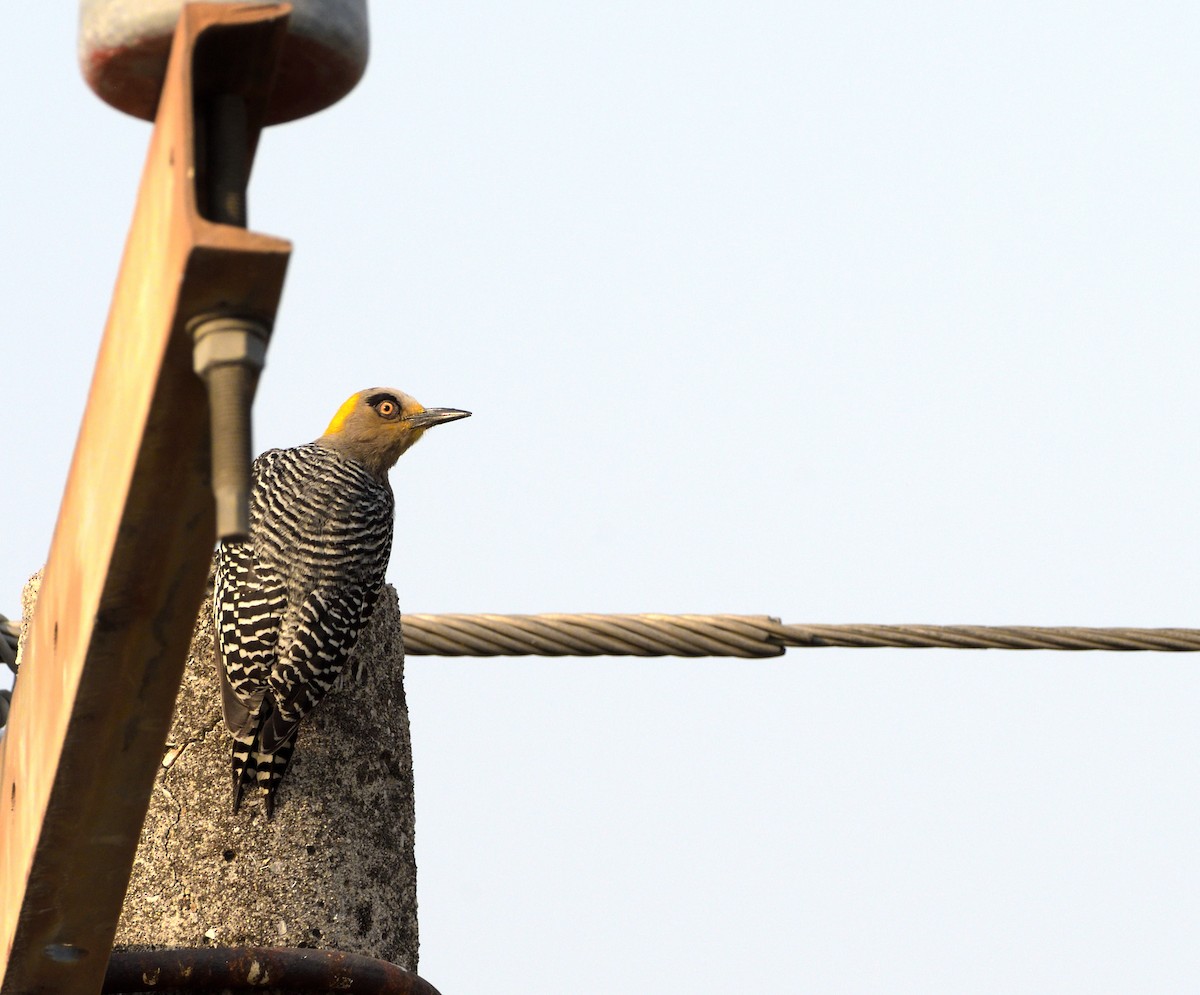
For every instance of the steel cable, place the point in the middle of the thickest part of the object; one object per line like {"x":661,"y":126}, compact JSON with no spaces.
{"x":723,"y":636}
{"x":745,"y":636}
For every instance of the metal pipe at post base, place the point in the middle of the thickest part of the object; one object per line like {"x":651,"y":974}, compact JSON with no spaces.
{"x":211,"y":969}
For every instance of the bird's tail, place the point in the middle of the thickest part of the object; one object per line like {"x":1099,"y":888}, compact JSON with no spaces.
{"x":260,"y":759}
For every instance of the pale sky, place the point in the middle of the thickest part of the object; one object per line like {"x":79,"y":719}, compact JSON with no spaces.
{"x":845,"y":312}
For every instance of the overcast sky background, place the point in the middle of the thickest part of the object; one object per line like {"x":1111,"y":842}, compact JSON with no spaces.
{"x":838,"y":312}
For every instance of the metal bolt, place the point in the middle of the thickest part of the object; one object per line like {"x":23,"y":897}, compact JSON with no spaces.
{"x":229,"y":353}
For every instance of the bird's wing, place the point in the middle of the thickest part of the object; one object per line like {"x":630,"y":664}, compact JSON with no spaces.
{"x":328,"y":629}
{"x":328,"y":626}
{"x":248,"y":603}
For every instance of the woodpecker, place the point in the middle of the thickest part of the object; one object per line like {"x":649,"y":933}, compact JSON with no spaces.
{"x":290,"y":600}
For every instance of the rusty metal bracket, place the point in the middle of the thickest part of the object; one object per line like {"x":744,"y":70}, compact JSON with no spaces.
{"x":126,"y":570}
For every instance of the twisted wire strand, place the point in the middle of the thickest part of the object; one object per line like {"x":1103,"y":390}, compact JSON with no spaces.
{"x":745,"y":636}
{"x":1005,"y":637}
{"x":587,"y":635}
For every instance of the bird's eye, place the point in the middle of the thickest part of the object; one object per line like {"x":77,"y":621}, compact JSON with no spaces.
{"x":387,"y":409}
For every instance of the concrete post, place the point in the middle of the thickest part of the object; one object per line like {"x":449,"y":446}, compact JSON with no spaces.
{"x":334,"y":869}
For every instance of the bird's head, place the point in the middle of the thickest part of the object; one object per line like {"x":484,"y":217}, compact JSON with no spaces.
{"x":376,"y":426}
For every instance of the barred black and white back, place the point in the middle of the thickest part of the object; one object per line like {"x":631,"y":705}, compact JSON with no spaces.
{"x":291,"y":601}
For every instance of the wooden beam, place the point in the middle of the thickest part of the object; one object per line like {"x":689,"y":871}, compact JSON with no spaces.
{"x":131,"y":549}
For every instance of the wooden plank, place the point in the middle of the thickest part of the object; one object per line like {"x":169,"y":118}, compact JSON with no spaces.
{"x":128,"y":561}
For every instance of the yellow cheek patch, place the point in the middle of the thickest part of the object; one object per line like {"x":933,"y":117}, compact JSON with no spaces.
{"x":344,"y":412}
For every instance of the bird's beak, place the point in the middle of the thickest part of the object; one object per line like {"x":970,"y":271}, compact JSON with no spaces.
{"x":436,"y":416}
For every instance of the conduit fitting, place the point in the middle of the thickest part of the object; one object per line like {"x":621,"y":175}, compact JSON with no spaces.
{"x":228,"y":355}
